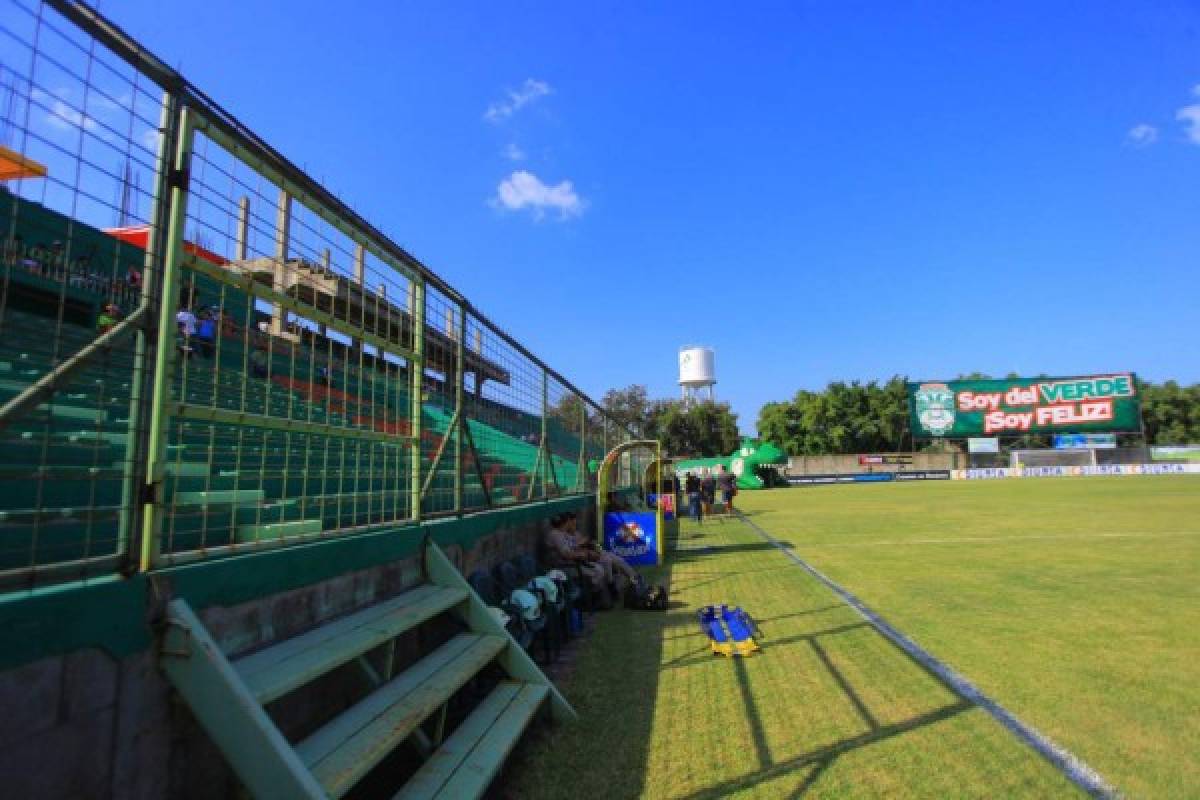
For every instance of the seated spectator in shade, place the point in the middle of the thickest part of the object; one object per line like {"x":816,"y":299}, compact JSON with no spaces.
{"x":109,"y":316}
{"x":604,"y":569}
{"x":563,"y":549}
{"x":613,"y":563}
{"x":618,"y":502}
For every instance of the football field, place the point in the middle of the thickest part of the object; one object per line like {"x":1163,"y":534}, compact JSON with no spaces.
{"x":1074,"y":603}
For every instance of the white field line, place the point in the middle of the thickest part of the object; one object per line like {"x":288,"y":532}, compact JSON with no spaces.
{"x":1070,"y":765}
{"x":1007,"y":539}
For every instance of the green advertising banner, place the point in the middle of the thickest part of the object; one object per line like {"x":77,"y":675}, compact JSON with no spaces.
{"x":954,"y":409}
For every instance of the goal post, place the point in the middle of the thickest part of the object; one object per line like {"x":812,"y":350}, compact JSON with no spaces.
{"x":1075,"y":457}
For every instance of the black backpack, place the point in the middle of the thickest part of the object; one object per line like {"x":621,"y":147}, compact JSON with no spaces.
{"x":641,"y":597}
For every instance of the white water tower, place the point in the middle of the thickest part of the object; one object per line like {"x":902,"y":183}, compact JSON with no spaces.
{"x":696,"y":373}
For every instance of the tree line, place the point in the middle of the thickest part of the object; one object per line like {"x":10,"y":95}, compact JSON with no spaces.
{"x":872,"y":417}
{"x":702,"y":429}
{"x":854,"y":417}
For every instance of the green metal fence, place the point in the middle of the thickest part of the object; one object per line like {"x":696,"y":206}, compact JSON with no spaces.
{"x":203,"y":352}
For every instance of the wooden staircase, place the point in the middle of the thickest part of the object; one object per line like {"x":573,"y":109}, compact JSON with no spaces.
{"x":228,"y":696}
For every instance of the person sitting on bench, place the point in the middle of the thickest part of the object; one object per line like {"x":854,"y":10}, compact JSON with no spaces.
{"x":602,"y":567}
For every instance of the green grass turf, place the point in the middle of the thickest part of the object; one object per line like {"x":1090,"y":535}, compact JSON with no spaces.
{"x":828,"y":709}
{"x":1074,"y":602}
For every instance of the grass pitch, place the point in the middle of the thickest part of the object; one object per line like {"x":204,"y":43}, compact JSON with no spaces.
{"x":1073,"y":602}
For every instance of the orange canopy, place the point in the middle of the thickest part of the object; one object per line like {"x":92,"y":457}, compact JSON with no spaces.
{"x":13,"y":165}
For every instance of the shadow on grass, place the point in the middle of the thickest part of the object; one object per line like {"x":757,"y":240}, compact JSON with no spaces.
{"x":767,"y":643}
{"x":715,"y":577}
{"x":822,"y":757}
{"x":687,"y":554}
{"x":819,"y":758}
{"x":805,"y":613}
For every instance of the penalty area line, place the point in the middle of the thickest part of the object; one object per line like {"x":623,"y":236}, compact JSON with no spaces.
{"x":1070,"y":765}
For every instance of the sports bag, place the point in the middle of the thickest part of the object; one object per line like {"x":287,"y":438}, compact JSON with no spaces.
{"x":641,"y":597}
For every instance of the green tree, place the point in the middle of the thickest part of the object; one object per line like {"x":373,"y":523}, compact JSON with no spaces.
{"x":1170,"y":412}
{"x":568,"y":413}
{"x":701,"y":429}
{"x":629,"y":408}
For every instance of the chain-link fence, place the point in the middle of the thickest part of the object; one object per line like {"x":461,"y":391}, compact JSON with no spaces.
{"x":202,"y":351}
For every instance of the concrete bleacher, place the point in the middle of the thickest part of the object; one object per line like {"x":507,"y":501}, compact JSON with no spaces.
{"x":224,"y":484}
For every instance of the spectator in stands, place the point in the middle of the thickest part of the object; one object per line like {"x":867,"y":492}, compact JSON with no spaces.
{"x":55,"y":259}
{"x":133,"y":278}
{"x":708,"y":491}
{"x":14,"y":248}
{"x":728,"y":483}
{"x":108,"y":317}
{"x":186,"y":319}
{"x":226,"y":322}
{"x":206,"y":334}
{"x":259,"y":361}
{"x":691,"y":485}
{"x":35,"y":261}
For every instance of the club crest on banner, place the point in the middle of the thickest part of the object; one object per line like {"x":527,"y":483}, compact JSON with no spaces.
{"x":935,"y":407}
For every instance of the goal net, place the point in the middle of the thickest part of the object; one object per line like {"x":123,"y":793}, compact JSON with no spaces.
{"x":1051,"y":458}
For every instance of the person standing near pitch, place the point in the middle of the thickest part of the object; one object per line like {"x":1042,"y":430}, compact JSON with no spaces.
{"x":728,"y":483}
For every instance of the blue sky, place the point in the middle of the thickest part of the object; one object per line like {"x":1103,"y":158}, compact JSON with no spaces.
{"x":819,"y":191}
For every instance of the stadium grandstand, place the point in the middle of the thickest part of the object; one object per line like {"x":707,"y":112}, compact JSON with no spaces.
{"x":253,"y":446}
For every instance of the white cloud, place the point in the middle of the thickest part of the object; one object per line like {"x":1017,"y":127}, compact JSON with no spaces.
{"x":1190,"y":117}
{"x":150,"y":139}
{"x":514,"y":152}
{"x":530,"y":91}
{"x":61,"y":115}
{"x":1142,"y":135}
{"x":523,"y":190}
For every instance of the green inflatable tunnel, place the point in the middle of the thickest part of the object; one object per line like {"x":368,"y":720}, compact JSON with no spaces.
{"x":755,"y":463}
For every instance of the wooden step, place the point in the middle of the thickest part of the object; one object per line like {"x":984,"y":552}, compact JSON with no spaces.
{"x":348,"y":747}
{"x":282,"y":667}
{"x":467,"y":761}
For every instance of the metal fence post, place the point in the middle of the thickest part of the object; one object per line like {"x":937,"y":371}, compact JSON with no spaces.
{"x":416,"y":372}
{"x":545,"y":443}
{"x":165,"y":353}
{"x":460,"y":411}
{"x":132,"y":476}
{"x":581,"y":468}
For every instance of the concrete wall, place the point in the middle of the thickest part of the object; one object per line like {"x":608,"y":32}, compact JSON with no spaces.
{"x":86,"y":725}
{"x":848,"y":464}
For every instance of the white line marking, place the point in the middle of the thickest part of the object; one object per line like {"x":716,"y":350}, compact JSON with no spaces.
{"x":1070,"y":765}
{"x":1014,"y":539}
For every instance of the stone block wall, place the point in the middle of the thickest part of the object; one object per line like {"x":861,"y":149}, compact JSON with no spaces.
{"x":87,"y":725}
